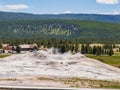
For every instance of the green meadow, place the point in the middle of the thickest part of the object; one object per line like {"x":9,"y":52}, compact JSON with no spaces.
{"x":4,"y":55}
{"x":111,"y":60}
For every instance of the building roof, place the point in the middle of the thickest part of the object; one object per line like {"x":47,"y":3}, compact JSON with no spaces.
{"x":9,"y":48}
{"x":28,"y":46}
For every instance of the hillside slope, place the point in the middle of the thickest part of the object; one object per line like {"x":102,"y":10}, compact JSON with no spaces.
{"x":67,"y":29}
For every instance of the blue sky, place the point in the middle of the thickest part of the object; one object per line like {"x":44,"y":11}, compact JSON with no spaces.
{"x":61,"y":6}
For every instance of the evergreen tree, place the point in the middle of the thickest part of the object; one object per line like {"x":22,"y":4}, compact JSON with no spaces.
{"x":0,"y":45}
{"x":105,"y":51}
{"x":18,"y":49}
{"x":111,"y":52}
{"x":102,"y":51}
{"x":62,"y":49}
{"x":76,"y":47}
{"x":87,"y":48}
{"x":72,"y":48}
{"x":3,"y":51}
{"x":114,"y":46}
{"x":98,"y":51}
{"x":94,"y":50}
{"x":90,"y":51}
{"x":83,"y":49}
{"x":49,"y":45}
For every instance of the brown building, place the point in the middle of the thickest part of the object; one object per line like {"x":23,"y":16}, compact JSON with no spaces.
{"x":28,"y":47}
{"x":8,"y":49}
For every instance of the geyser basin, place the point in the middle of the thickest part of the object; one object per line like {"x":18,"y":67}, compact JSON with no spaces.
{"x":47,"y":63}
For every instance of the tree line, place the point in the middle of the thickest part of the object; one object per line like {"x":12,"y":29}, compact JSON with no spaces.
{"x":66,"y":45}
{"x":107,"y":49}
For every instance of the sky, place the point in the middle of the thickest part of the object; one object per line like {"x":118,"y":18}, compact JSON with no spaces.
{"x":61,"y":6}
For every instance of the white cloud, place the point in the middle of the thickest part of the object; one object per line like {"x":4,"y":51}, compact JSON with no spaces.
{"x":13,"y":7}
{"x":67,"y":12}
{"x":107,"y":1}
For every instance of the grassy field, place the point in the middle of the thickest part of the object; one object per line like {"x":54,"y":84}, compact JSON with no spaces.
{"x":111,"y":60}
{"x":4,"y":55}
{"x":82,"y":82}
{"x":88,"y":83}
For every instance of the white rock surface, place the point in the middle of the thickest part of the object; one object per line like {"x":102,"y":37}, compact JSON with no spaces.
{"x":62,"y":65}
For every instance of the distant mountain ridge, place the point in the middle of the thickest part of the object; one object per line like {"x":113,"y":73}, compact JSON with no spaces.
{"x":90,"y":27}
{"x":92,"y":17}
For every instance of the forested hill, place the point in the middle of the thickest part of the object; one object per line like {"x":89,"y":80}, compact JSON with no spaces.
{"x":25,"y":16}
{"x":67,"y":29}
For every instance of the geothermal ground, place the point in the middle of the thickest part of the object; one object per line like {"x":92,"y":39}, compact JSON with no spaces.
{"x":48,"y":69}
